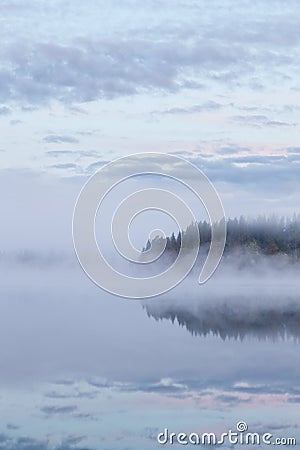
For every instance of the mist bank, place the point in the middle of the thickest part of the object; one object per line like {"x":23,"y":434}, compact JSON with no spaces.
{"x":253,"y":296}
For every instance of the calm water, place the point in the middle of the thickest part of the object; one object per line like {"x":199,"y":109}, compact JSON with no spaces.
{"x":81,"y":369}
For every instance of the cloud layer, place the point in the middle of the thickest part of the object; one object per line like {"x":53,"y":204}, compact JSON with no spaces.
{"x":78,"y":67}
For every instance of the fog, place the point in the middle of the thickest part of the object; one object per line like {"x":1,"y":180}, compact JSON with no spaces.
{"x":55,"y":321}
{"x":73,"y":357}
{"x":243,"y":298}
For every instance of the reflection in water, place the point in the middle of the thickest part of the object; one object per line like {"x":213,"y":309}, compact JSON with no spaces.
{"x":231,"y":319}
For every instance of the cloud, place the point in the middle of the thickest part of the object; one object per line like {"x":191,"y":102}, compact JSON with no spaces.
{"x":262,"y":34}
{"x":30,"y":443}
{"x":73,"y":153}
{"x":15,"y":122}
{"x":293,"y":150}
{"x":29,"y":258}
{"x":4,"y":111}
{"x":99,"y":383}
{"x":264,"y":172}
{"x":39,"y":69}
{"x":275,"y":172}
{"x":77,"y":394}
{"x":231,"y":400}
{"x":72,"y":440}
{"x":12,"y":426}
{"x":64,"y":382}
{"x":58,"y":153}
{"x":106,"y":69}
{"x":205,"y":107}
{"x":261,"y":121}
{"x":294,"y":399}
{"x":50,"y":410}
{"x":166,"y":386}
{"x":57,"y":139}
{"x":96,"y":165}
{"x":230,"y":150}
{"x":3,"y":438}
{"x":64,"y":166}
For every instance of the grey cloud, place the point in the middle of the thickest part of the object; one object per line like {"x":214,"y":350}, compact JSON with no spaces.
{"x":58,"y":395}
{"x":50,"y":410}
{"x":164,"y":387}
{"x":15,"y":5}
{"x":64,"y":166}
{"x":294,"y":399}
{"x":30,"y":443}
{"x":32,"y":259}
{"x":99,"y":383}
{"x":64,"y":382}
{"x":76,"y":394}
{"x":293,"y":150}
{"x":279,"y":30}
{"x":278,"y":426}
{"x":58,"y":153}
{"x":187,"y":387}
{"x":4,"y":111}
{"x":254,"y":108}
{"x":275,"y":172}
{"x":257,"y":159}
{"x":229,"y":150}
{"x":205,"y":107}
{"x":261,"y":121}
{"x":150,"y":433}
{"x":260,"y":389}
{"x":28,"y":108}
{"x":291,"y":108}
{"x":83,"y":70}
{"x":3,"y":438}
{"x":279,"y":123}
{"x":27,"y":441}
{"x":73,"y":153}
{"x":85,"y":416}
{"x":230,"y":400}
{"x":12,"y":426}
{"x":57,"y":139}
{"x":96,"y":165}
{"x":77,"y":110}
{"x":73,"y":440}
{"x":87,"y":132}
{"x":16,"y":122}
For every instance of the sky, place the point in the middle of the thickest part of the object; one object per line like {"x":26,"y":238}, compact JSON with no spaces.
{"x":84,"y":83}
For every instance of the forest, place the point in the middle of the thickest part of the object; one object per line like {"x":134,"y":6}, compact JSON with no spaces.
{"x":261,"y":236}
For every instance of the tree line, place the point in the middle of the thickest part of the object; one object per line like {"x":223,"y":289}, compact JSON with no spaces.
{"x":264,"y":235}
